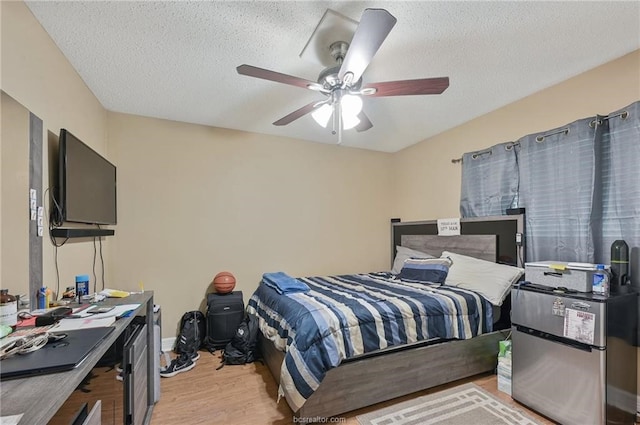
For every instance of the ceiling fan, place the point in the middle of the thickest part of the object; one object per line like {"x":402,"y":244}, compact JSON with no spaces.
{"x":342,"y":84}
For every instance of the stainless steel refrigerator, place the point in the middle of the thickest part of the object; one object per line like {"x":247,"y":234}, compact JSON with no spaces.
{"x":574,"y":355}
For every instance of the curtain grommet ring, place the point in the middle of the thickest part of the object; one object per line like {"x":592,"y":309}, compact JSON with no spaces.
{"x":478,"y":154}
{"x":624,"y":115}
{"x":540,"y":139}
{"x":594,"y":123}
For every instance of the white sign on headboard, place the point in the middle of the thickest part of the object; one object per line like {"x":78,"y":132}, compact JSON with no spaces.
{"x":448,"y":226}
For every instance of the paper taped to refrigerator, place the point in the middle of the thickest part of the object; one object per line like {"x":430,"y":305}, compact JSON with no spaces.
{"x":579,"y":325}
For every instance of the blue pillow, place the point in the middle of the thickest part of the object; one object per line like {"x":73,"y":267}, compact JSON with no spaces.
{"x":425,"y":270}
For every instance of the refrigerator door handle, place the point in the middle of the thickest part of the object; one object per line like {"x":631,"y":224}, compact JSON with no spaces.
{"x":557,"y":339}
{"x":578,"y":305}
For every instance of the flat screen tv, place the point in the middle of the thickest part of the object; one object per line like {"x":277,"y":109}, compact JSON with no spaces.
{"x":87,"y":183}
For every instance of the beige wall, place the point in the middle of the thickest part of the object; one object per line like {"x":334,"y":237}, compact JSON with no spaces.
{"x":196,"y":200}
{"x":14,"y":187}
{"x":38,"y":76}
{"x":427,"y":184}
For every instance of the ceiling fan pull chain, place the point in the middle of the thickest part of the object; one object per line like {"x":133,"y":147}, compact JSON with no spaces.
{"x":334,"y":119}
{"x":338,"y":113}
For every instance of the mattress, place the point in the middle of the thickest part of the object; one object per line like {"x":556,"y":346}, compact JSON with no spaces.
{"x":346,"y":316}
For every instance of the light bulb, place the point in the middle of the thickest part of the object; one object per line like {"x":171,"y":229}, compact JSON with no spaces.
{"x":322,"y":114}
{"x":351,"y":105}
{"x":349,"y":121}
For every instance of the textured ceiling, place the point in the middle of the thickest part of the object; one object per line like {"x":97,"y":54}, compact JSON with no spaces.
{"x":177,"y":60}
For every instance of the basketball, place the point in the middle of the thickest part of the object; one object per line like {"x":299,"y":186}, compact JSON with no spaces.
{"x":224,"y":282}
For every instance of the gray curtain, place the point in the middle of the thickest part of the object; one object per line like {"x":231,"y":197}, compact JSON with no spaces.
{"x":579,"y":184}
{"x":620,"y":179}
{"x":489,"y":181}
{"x":557,"y":172}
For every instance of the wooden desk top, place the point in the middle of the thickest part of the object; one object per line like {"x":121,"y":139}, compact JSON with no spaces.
{"x":38,"y":398}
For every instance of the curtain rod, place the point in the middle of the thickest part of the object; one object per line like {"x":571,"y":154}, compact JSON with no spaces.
{"x":541,"y":138}
{"x":622,"y":114}
{"x":508,"y":146}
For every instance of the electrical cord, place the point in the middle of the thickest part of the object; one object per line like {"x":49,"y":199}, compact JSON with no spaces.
{"x":101,"y":260}
{"x":55,"y":218}
{"x":26,"y":344}
{"x":55,"y":221}
{"x":24,"y":315}
{"x":95,"y":280}
{"x":517,"y":289}
{"x":520,"y":255}
{"x":515,"y":298}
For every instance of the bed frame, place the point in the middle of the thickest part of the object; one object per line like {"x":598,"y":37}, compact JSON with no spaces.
{"x":398,"y":371}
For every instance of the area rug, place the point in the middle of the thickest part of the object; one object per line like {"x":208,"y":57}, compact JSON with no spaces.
{"x":465,"y":404}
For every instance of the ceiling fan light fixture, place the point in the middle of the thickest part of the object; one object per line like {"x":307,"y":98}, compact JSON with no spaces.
{"x":341,"y":84}
{"x":351,"y":105}
{"x":349,"y":121}
{"x":323,"y":114}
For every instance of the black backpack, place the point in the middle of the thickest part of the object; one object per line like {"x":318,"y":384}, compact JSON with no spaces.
{"x":193,"y":330}
{"x":243,"y":347}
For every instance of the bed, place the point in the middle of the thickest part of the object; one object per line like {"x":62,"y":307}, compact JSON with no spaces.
{"x":441,"y":333}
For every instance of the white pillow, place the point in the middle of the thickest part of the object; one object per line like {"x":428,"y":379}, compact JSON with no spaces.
{"x":491,"y":280}
{"x":402,"y":253}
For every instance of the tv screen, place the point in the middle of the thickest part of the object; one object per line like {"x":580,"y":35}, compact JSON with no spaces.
{"x":87,"y":186}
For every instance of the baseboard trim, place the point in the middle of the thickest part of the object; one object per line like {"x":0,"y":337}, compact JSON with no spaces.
{"x":168,"y":343}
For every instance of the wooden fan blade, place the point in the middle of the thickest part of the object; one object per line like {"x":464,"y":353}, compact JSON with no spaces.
{"x":265,"y":74}
{"x":365,"y":123}
{"x":371,"y":32}
{"x":409,"y":87}
{"x":287,"y":119}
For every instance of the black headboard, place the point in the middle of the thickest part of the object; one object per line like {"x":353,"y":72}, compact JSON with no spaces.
{"x":504,"y":227}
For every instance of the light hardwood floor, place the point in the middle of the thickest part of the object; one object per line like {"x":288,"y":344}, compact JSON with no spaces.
{"x":247,"y":395}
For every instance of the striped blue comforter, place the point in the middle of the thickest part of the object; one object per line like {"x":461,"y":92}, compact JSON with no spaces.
{"x":349,"y":315}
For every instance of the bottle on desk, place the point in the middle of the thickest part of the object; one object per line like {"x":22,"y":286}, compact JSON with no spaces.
{"x":601,"y":281}
{"x":8,"y":309}
{"x":44,"y":298}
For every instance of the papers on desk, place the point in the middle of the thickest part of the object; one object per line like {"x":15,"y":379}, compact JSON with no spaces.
{"x":114,"y":293}
{"x":118,"y":310}
{"x":84,"y":319}
{"x":79,"y":320}
{"x":83,"y":323}
{"x":11,"y":420}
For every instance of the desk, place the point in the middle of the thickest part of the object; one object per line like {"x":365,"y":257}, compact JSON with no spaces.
{"x":38,"y":398}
